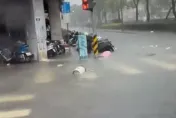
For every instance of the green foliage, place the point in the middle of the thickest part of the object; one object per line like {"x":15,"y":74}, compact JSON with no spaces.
{"x":152,"y":7}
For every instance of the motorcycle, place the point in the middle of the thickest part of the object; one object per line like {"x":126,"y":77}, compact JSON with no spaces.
{"x":60,"y":47}
{"x":73,"y":38}
{"x":51,"y":50}
{"x":22,"y":54}
{"x":105,"y":45}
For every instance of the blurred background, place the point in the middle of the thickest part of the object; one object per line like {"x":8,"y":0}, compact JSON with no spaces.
{"x":131,"y":13}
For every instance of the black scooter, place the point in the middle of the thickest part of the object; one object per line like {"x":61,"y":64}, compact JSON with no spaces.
{"x":59,"y":47}
{"x":105,"y":45}
{"x":54,"y":48}
{"x":51,"y":50}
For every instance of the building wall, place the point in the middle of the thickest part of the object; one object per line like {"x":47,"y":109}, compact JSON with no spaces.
{"x":23,"y":20}
{"x":31,"y":33}
{"x":36,"y":29}
{"x":13,"y":17}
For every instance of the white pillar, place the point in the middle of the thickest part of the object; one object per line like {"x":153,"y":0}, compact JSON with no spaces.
{"x":37,"y":31}
{"x":55,"y":20}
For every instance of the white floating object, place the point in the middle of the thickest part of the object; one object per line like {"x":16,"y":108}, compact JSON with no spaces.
{"x":156,"y":46}
{"x":151,"y":31}
{"x":151,"y":46}
{"x":79,"y":70}
{"x":8,"y":64}
{"x":86,"y":33}
{"x":59,"y":65}
{"x":99,"y":37}
{"x":168,"y":48}
{"x":45,"y":60}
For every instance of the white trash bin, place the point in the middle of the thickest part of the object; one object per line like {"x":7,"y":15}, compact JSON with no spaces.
{"x":79,"y":70}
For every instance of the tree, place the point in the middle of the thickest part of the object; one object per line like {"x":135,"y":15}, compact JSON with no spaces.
{"x":147,"y":10}
{"x":136,"y":4}
{"x":120,"y":4}
{"x":121,"y":9}
{"x":173,"y":8}
{"x":113,"y":6}
{"x":108,"y":6}
{"x":157,"y":6}
{"x":99,"y":8}
{"x":118,"y":10}
{"x":168,"y":13}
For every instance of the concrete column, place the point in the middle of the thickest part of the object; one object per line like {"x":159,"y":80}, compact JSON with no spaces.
{"x":55,"y":20}
{"x":36,"y":30}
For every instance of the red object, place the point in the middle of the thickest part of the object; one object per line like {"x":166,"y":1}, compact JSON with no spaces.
{"x":85,"y":6}
{"x":84,"y":1}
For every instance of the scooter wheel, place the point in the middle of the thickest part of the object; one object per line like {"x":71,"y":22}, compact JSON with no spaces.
{"x":63,"y":49}
{"x":23,"y":58}
{"x":27,"y":59}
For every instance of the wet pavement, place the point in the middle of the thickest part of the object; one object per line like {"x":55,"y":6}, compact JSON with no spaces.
{"x":137,"y":81}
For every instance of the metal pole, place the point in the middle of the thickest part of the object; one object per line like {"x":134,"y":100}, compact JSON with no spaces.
{"x":92,"y":19}
{"x":67,"y":30}
{"x":67,"y":27}
{"x":68,"y":36}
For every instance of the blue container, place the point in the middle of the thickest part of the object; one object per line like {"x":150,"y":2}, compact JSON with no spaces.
{"x":23,"y":48}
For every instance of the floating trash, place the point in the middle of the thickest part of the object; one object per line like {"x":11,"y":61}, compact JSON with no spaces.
{"x":8,"y":64}
{"x":59,"y":65}
{"x":168,"y":48}
{"x":151,"y":46}
{"x":79,"y":70}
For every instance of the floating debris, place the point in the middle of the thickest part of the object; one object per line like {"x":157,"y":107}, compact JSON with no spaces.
{"x":8,"y":64}
{"x":79,"y":70}
{"x":60,"y":65}
{"x":168,"y":48}
{"x":151,"y":46}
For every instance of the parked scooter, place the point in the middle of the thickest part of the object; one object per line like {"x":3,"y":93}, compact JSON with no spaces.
{"x":55,"y":48}
{"x":60,"y":47}
{"x":21,"y":53}
{"x":73,"y":38}
{"x":51,"y":51}
{"x":105,"y":45}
